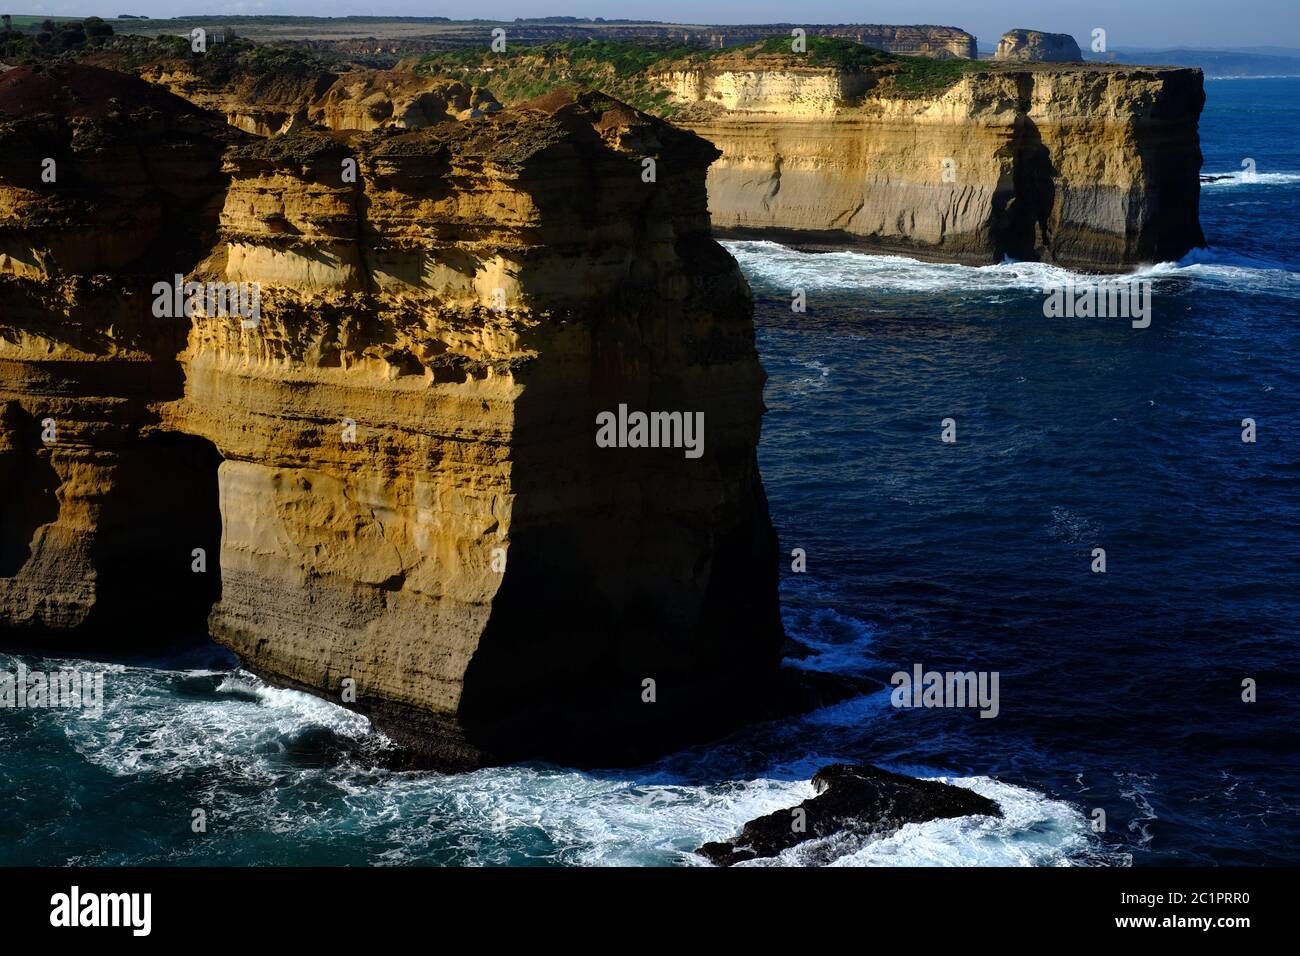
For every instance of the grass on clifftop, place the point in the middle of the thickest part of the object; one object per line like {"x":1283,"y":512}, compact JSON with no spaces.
{"x":921,"y":77}
{"x":825,"y":51}
{"x":622,"y":68}
{"x":616,"y":67}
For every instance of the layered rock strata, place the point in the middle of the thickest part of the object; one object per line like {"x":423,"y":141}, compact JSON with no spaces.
{"x":1034,"y":45}
{"x":106,"y":185}
{"x":272,"y":103}
{"x":1089,"y":167}
{"x":415,"y":517}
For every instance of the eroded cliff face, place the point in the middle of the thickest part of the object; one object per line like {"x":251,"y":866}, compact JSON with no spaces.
{"x":369,"y":99}
{"x":1092,"y":167}
{"x":273,"y":103}
{"x":415,"y":517}
{"x":106,"y":185}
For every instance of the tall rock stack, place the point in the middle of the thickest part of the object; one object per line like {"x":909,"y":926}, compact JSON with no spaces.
{"x":1036,"y":46}
{"x":399,"y":444}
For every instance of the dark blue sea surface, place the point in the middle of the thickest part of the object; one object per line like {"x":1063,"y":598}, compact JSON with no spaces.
{"x":1119,"y":692}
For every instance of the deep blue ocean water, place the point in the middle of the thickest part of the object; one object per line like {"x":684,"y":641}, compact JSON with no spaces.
{"x":1118,"y":691}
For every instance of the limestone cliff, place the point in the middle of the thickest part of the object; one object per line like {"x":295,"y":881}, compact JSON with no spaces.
{"x":1034,"y":45}
{"x":369,"y":99}
{"x":1088,"y":166}
{"x":413,"y":508}
{"x":272,"y":103}
{"x":106,"y":184}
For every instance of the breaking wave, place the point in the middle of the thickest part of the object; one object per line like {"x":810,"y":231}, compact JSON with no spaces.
{"x":773,"y":266}
{"x":270,"y":763}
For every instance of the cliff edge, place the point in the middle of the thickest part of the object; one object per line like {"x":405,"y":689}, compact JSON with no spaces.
{"x":1090,"y":167}
{"x":394,"y":463}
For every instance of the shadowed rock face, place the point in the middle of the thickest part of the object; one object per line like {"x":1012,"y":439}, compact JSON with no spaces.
{"x":854,"y":799}
{"x":1034,"y":45}
{"x":413,"y":508}
{"x":107,"y":184}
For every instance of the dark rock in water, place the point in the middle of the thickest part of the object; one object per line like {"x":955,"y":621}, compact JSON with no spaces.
{"x":852,"y":798}
{"x":1214,"y":178}
{"x":796,"y":650}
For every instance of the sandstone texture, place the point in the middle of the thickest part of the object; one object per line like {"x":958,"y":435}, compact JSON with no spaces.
{"x":1034,"y":45}
{"x":398,"y":453}
{"x":106,"y":184}
{"x":1090,"y":167}
{"x":369,"y":99}
{"x":274,"y":101}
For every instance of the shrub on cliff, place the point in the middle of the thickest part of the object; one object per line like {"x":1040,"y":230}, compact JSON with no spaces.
{"x":53,"y":41}
{"x":623,"y":68}
{"x":826,"y":51}
{"x":520,"y":73}
{"x":917,"y":76}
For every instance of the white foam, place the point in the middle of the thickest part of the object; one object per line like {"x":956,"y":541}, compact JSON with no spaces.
{"x":851,"y":656}
{"x":1033,"y":831}
{"x":1225,"y":269}
{"x":145,"y":728}
{"x":788,"y":268}
{"x":1243,"y":178}
{"x":768,"y":263}
{"x":229,"y":730}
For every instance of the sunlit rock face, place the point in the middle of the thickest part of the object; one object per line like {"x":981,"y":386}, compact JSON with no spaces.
{"x":272,"y":103}
{"x":1091,"y":167}
{"x":391,"y":463}
{"x":107,"y":185}
{"x":1034,"y":45}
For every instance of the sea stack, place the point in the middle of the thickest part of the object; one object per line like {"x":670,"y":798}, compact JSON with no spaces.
{"x":1034,"y":45}
{"x":397,"y":445}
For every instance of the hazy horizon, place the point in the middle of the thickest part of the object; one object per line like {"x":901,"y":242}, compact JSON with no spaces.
{"x":1158,"y":24}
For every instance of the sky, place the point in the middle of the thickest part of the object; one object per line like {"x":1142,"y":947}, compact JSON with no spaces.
{"x":1128,"y":23}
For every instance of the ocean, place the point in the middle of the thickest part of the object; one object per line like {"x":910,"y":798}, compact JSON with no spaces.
{"x":1121,"y":693}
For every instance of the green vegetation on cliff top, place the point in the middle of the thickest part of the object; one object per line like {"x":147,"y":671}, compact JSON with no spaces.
{"x":623,"y":69}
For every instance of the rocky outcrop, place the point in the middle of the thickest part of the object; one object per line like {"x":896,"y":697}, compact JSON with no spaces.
{"x":106,"y":184}
{"x":1034,"y":45}
{"x":272,"y":103}
{"x":928,"y":41}
{"x":1090,"y":167}
{"x":369,"y":99}
{"x":258,"y":103}
{"x":415,"y":515}
{"x":857,"y":800}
